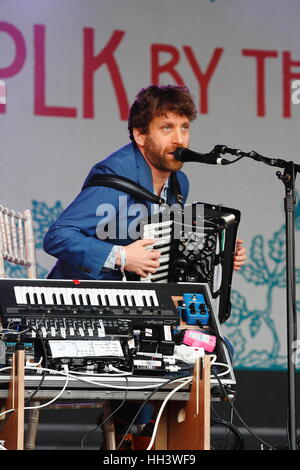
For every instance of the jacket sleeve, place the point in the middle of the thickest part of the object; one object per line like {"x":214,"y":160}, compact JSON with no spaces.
{"x":85,"y":232}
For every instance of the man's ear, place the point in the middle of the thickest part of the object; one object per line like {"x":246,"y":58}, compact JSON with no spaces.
{"x":139,"y":136}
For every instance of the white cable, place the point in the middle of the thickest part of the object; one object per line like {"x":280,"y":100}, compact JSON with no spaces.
{"x":70,"y":375}
{"x":122,"y":387}
{"x":120,"y":373}
{"x":162,"y":408}
{"x":222,"y":373}
{"x":6,"y":411}
{"x":44,"y":404}
{"x":7,"y":331}
{"x":35,"y":364}
{"x":5,"y":368}
{"x":55,"y":398}
{"x":213,"y":358}
{"x":58,"y":372}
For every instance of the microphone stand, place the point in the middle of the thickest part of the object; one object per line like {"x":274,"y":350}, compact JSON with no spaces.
{"x":288,"y":178}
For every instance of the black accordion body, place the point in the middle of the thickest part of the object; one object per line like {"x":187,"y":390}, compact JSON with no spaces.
{"x":197,"y":244}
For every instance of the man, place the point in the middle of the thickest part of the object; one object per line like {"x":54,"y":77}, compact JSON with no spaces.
{"x":159,"y":122}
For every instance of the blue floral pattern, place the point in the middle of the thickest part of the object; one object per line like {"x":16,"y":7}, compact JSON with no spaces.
{"x":267,"y":268}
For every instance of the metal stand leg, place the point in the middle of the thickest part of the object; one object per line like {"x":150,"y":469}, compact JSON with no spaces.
{"x":32,"y":427}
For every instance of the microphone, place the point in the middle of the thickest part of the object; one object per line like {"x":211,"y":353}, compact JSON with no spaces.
{"x":187,"y":155}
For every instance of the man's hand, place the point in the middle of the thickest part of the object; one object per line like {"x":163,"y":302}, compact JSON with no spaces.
{"x":239,"y":255}
{"x":141,"y":260}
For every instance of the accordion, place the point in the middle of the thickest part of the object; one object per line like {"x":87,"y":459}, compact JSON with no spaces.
{"x":197,"y":244}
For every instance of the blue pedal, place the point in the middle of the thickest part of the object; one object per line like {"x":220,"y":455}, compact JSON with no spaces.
{"x":195,"y":309}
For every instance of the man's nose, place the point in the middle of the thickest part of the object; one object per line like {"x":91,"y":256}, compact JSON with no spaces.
{"x":178,"y":137}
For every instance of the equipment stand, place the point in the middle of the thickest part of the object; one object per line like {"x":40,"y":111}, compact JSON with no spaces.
{"x":13,"y":432}
{"x":186,"y":426}
{"x":288,"y":179}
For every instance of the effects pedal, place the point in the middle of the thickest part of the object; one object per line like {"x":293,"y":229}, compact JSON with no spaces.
{"x":194,"y":309}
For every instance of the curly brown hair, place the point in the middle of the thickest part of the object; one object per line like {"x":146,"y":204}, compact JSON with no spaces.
{"x":156,"y":101}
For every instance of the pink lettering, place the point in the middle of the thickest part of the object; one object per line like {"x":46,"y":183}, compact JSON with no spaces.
{"x":40,"y":106}
{"x":92,"y":63}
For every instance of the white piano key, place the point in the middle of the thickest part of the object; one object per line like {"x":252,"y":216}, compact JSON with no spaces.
{"x":111,"y":295}
{"x":31,"y":295}
{"x":125,"y":297}
{"x":164,"y":264}
{"x":82,"y":297}
{"x":37,"y":293}
{"x":67,"y":295}
{"x":24,"y":291}
{"x":47,"y":292}
{"x":157,"y":276}
{"x":161,"y":241}
{"x":155,"y":299}
{"x":164,"y":250}
{"x":158,"y":225}
{"x":75,"y":294}
{"x":19,"y":295}
{"x":120,"y":294}
{"x":138,"y":298}
{"x":94,"y":297}
{"x":63,"y":332}
{"x":56,"y":296}
{"x":157,"y":235}
{"x":87,"y":297}
{"x":91,"y":293}
{"x":101,"y":294}
{"x":147,"y":295}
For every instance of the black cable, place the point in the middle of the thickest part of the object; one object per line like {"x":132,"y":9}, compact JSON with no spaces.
{"x":218,"y":336}
{"x":238,"y":443}
{"x":240,"y":418}
{"x":144,"y":403}
{"x":236,"y":160}
{"x":5,"y":420}
{"x":231,"y":428}
{"x":43,"y":373}
{"x":99,"y":425}
{"x":217,"y":417}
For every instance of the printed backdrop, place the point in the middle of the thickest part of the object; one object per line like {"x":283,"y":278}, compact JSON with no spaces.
{"x":71,"y":70}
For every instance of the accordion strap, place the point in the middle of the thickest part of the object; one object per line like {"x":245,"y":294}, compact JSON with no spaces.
{"x":176,"y":189}
{"x":131,"y":187}
{"x":124,"y":184}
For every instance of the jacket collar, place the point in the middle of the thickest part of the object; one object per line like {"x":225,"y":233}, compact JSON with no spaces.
{"x":144,"y":175}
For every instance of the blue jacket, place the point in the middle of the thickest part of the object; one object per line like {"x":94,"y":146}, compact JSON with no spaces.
{"x":73,"y":238}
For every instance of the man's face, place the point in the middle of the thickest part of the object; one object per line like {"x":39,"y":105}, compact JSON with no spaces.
{"x":164,"y":135}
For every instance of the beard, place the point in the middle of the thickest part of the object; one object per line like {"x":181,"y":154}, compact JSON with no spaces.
{"x":161,"y":158}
